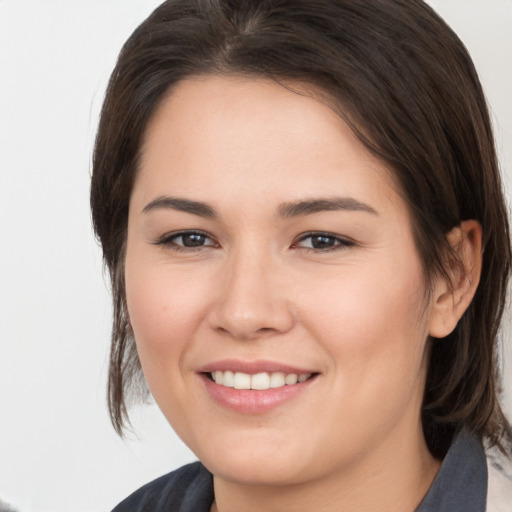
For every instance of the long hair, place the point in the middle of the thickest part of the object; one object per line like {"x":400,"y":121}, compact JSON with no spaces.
{"x":405,"y":84}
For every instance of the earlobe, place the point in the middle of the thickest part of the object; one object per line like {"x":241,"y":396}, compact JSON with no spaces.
{"x":451,"y":299}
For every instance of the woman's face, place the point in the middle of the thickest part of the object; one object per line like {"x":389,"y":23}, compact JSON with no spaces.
{"x":266,"y":246}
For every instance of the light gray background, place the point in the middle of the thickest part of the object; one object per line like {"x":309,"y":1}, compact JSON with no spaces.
{"x":58,"y":452}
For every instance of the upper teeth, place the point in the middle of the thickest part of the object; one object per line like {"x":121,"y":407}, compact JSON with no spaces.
{"x":260,"y":381}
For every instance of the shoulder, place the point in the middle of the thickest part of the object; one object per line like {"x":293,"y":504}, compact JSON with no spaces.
{"x":499,"y":494}
{"x":189,"y":488}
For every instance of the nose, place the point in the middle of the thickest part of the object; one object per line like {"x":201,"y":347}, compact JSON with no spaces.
{"x":252,"y":300}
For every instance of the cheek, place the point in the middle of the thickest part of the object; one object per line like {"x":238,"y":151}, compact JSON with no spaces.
{"x":164,"y":307}
{"x":363,"y":300}
{"x":373,"y":328}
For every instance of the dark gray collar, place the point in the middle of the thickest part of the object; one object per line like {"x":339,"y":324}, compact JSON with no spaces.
{"x":461,"y":484}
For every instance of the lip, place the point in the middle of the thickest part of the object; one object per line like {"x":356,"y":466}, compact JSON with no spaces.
{"x":250,"y":401}
{"x":253,"y":367}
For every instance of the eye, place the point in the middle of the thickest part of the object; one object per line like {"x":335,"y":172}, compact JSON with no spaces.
{"x":322,"y":242}
{"x":187,"y":240}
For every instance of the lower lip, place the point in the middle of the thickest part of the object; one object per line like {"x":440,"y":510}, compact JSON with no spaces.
{"x":252,"y":401}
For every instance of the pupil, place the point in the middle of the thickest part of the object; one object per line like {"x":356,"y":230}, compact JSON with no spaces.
{"x":322,"y":242}
{"x":193,"y":240}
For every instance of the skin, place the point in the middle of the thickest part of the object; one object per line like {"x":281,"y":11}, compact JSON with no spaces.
{"x":259,"y":287}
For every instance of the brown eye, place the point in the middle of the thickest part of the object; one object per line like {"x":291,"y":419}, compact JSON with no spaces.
{"x":322,"y":242}
{"x":192,"y":240}
{"x":187,"y":240}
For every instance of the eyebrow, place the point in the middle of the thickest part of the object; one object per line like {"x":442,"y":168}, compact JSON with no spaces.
{"x":309,"y":207}
{"x":285,"y":210}
{"x":183,"y":205}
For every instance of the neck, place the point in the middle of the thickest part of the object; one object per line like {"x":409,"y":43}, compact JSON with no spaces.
{"x":393,"y":478}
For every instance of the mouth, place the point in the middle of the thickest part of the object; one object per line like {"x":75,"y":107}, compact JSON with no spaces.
{"x":258,"y":381}
{"x":255,"y":387}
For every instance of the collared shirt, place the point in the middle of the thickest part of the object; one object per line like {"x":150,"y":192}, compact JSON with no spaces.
{"x":460,"y":486}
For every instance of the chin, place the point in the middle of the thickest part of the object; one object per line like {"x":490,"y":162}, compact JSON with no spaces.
{"x":261,"y":459}
{"x":256,"y":471}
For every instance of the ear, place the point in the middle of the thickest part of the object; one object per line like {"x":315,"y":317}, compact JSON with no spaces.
{"x":451,"y":299}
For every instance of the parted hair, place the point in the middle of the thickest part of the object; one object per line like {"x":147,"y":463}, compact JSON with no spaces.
{"x":404,"y":82}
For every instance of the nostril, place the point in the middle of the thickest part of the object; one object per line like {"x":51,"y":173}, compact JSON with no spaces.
{"x":266,"y":330}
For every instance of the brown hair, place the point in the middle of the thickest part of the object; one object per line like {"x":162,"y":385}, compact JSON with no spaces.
{"x":405,"y":84}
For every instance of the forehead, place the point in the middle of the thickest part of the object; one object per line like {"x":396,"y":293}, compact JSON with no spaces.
{"x":216,"y":134}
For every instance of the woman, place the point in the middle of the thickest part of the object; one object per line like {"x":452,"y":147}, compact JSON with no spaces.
{"x":300,"y":208}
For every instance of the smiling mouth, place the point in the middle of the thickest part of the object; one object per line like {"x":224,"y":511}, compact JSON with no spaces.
{"x":258,"y":381}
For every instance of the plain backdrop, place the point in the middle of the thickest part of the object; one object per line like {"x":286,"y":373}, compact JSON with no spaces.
{"x":58,"y":452}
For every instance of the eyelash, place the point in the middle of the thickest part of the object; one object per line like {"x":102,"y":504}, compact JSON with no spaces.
{"x":339,"y":242}
{"x":169,"y":240}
